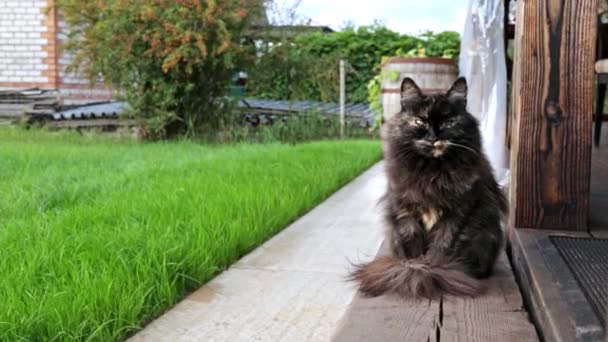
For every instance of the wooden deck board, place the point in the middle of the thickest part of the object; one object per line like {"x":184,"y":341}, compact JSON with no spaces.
{"x":388,"y":318}
{"x":498,"y":315}
{"x":557,"y":304}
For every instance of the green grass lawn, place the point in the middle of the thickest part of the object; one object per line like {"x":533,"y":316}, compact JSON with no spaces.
{"x":100,"y":236}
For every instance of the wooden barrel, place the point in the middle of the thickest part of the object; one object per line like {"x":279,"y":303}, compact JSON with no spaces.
{"x":432,"y":75}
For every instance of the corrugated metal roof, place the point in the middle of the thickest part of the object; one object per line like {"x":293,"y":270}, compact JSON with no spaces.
{"x":357,"y":110}
{"x":102,"y":110}
{"x":360,"y":111}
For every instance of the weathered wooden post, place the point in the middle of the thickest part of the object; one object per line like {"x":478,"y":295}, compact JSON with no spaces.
{"x":552,"y":113}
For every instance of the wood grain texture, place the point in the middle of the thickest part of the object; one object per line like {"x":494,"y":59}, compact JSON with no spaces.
{"x":552,"y":112}
{"x":496,"y":316}
{"x":432,"y":75}
{"x":559,"y":308}
{"x":388,"y":318}
{"x":499,"y":315}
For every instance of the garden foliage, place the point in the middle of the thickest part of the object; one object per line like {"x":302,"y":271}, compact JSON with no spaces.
{"x":171,"y":59}
{"x":305,"y":67}
{"x":100,"y":235}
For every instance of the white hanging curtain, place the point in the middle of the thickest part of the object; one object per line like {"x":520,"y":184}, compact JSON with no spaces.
{"x":482,"y":62}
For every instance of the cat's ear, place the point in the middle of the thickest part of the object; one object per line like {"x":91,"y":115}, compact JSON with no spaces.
{"x":409,"y":92}
{"x":458,"y":91}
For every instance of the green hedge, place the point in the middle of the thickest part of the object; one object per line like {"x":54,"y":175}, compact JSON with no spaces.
{"x":306,"y":67}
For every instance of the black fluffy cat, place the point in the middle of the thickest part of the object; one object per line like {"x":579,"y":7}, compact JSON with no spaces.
{"x":443,"y":205}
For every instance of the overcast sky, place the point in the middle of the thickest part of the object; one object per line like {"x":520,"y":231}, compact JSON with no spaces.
{"x":405,"y":16}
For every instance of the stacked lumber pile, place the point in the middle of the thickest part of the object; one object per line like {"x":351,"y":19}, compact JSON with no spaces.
{"x":30,"y":104}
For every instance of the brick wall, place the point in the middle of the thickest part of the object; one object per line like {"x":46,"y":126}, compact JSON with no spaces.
{"x":74,"y":88}
{"x":30,"y":36}
{"x":25,"y":45}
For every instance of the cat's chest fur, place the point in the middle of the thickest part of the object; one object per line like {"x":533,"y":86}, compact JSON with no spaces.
{"x":429,"y":217}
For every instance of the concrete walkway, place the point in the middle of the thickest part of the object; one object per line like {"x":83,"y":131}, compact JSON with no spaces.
{"x":292,"y":288}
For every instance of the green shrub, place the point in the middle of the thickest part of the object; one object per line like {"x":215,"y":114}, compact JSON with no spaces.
{"x":170,"y":59}
{"x":286,"y":72}
{"x":305,"y":67}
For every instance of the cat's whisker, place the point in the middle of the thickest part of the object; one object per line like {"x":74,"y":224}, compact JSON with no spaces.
{"x":449,"y":143}
{"x":406,"y":151}
{"x":424,"y":142}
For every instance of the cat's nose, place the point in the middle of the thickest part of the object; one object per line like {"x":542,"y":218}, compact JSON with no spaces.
{"x":431,"y":135}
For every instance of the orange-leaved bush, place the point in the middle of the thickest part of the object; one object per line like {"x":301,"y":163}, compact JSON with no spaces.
{"x":171,"y":59}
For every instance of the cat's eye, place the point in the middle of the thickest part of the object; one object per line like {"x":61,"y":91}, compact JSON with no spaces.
{"x":418,"y":122}
{"x":449,"y":123}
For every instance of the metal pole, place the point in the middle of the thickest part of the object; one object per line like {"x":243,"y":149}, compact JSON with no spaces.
{"x":342,"y":98}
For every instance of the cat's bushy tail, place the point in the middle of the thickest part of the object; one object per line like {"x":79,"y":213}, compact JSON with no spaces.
{"x":420,"y":277}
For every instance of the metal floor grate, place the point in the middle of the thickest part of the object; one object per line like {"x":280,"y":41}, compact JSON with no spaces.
{"x":587,"y":258}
